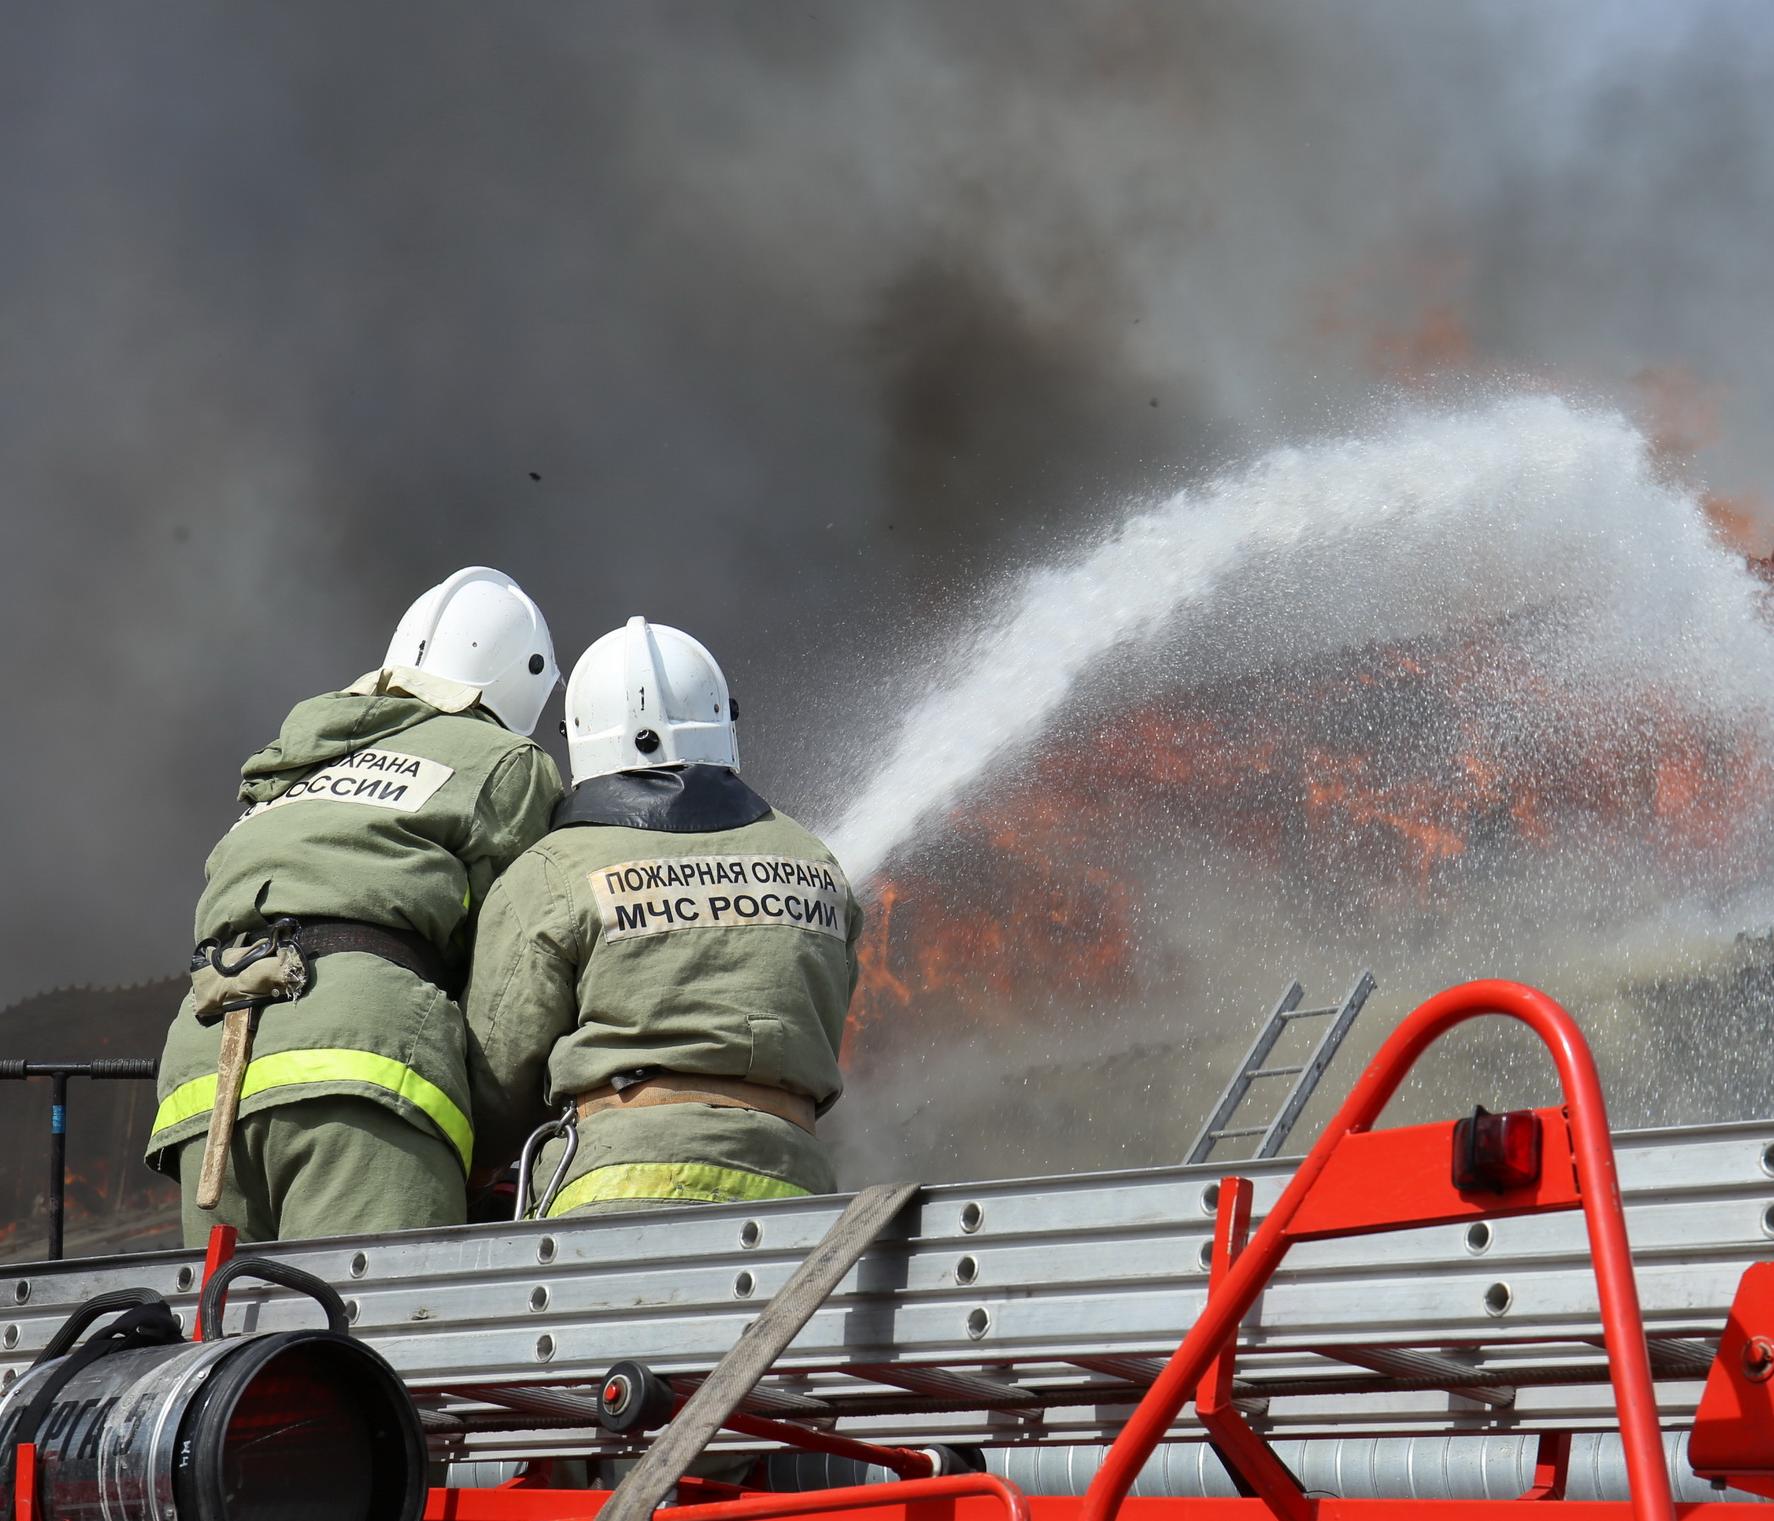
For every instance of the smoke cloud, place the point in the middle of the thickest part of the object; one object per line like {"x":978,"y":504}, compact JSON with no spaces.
{"x":795,"y":328}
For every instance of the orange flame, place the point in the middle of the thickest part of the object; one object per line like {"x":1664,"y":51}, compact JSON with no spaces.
{"x":1047,"y":893}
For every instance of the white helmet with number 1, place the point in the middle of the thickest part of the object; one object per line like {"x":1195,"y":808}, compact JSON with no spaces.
{"x":479,"y":628}
{"x":647,"y":695}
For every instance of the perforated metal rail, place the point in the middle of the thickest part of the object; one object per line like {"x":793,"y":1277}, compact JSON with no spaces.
{"x":1018,"y":1310}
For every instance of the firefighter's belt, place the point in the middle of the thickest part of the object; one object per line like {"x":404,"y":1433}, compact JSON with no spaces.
{"x":256,"y":969}
{"x":722,"y":1092}
{"x":328,"y":937}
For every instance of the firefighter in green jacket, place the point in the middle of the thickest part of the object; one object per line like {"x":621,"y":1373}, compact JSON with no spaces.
{"x":320,"y":1060}
{"x":668,"y":972}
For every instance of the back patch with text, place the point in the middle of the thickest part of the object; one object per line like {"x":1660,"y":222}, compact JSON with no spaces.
{"x":638,"y":898}
{"x":373,"y":778}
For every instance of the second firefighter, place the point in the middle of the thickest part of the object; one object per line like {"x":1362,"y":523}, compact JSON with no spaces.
{"x":669,"y":970}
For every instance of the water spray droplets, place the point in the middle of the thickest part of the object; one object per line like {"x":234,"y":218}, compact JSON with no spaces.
{"x":1528,"y":504}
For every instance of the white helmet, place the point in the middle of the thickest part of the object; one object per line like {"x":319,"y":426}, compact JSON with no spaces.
{"x":479,"y":628}
{"x":647,"y":695}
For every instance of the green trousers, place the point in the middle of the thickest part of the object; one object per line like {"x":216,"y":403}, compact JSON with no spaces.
{"x":326,"y":1167}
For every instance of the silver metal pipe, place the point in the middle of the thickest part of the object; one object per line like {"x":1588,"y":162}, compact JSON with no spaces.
{"x":1353,"y":1468}
{"x":1365,"y":1468}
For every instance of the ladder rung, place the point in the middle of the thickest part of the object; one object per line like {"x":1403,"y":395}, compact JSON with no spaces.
{"x":1227,"y":1135}
{"x":1309,"y":1013}
{"x":1276,"y":1071}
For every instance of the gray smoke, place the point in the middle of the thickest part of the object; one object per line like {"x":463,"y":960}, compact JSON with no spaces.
{"x":808,"y":319}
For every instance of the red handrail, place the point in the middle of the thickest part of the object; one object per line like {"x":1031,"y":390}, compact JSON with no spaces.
{"x":1647,"y":1475}
{"x":907,"y":1462}
{"x":861,"y":1497}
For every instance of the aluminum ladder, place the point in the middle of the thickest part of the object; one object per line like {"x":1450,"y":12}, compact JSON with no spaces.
{"x":1305,"y":1074}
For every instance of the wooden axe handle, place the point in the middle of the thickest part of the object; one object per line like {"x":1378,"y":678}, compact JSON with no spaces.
{"x":237,"y":1051}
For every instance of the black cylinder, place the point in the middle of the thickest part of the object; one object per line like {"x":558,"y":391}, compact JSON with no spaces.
{"x":293,"y":1426}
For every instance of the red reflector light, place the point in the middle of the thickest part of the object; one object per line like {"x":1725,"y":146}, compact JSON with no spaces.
{"x":1495,"y":1152}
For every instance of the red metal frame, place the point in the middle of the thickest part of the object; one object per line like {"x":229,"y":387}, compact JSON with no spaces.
{"x":24,"y":1483}
{"x":961,"y":1497}
{"x":531,"y":1496}
{"x":1248,"y":1458}
{"x":1733,"y":1436}
{"x":1552,"y":1467}
{"x":1360,"y":1193}
{"x":904,"y":1461}
{"x":584,"y":1505}
{"x":1354,"y":1181}
{"x":220,"y":1249}
{"x":905,"y":1493}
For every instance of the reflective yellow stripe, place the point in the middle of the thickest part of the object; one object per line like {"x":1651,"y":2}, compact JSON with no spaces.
{"x":288,"y":1068}
{"x":671,"y":1180}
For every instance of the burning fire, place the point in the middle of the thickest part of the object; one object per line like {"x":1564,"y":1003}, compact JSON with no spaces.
{"x":1385,"y":776}
{"x":1381,"y":776}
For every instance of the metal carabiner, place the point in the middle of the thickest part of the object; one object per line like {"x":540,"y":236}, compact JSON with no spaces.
{"x":567,"y":1128}
{"x":281,"y":932}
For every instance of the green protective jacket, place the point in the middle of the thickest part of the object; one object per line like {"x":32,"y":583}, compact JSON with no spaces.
{"x":673,"y":921}
{"x":372,"y":805}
